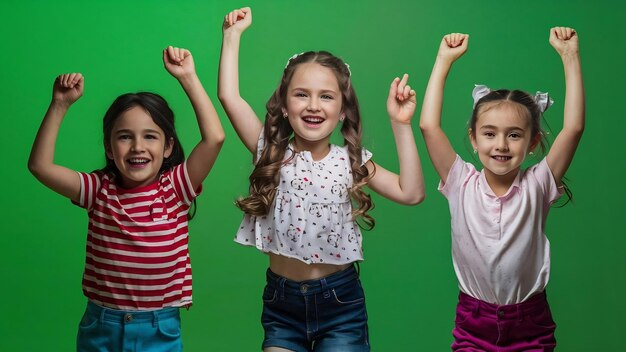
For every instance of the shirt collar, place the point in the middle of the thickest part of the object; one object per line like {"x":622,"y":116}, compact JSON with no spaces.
{"x":484,"y":186}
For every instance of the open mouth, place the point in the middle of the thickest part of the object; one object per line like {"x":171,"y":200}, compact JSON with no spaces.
{"x":138,"y":162}
{"x":502,"y":157}
{"x":313,"y":120}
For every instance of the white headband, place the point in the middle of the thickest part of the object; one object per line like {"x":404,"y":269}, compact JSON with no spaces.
{"x":296,"y":55}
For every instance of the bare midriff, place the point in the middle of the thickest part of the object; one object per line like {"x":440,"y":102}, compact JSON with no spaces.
{"x":296,"y":270}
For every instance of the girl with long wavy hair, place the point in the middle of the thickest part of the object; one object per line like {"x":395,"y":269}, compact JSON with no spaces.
{"x":306,"y":194}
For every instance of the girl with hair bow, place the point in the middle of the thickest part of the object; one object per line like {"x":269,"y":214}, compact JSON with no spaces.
{"x":500,"y":252}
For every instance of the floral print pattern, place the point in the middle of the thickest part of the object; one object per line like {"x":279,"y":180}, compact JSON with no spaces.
{"x":311,"y":216}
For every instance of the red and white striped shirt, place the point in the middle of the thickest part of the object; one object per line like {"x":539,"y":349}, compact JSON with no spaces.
{"x":137,"y":241}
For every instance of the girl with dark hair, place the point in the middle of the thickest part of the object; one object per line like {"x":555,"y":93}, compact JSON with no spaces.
{"x":137,"y":270}
{"x":500,"y":252}
{"x":299,"y":211}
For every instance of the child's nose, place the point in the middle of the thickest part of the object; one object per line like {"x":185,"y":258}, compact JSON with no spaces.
{"x":137,"y":145}
{"x":502,"y":144}
{"x":313,"y":105}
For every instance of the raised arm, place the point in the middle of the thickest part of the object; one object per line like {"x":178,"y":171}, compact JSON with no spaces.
{"x":244,"y":120}
{"x":407,"y":187}
{"x":565,"y":41}
{"x":439,"y":148}
{"x":66,"y":90}
{"x":179,"y":63}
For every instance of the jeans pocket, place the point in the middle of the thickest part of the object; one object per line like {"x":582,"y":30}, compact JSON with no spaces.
{"x":349,"y":294}
{"x":543,"y":319}
{"x":91,"y":332}
{"x":88,"y":322}
{"x":170,"y":328}
{"x":462,"y":314}
{"x":269,"y":295}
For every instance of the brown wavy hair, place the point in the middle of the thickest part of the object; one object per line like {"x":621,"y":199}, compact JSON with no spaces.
{"x":278,"y":132}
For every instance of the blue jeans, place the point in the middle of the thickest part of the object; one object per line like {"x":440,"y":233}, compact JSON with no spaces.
{"x":103,"y":329}
{"x":326,"y":314}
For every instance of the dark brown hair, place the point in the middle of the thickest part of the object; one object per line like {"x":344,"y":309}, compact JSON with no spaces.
{"x":528,"y":106}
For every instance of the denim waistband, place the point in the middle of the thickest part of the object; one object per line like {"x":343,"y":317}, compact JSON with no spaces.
{"x":533,"y":305}
{"x":311,"y":287}
{"x":130,"y":316}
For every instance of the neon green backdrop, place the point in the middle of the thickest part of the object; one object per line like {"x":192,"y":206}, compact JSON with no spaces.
{"x":408,"y":276}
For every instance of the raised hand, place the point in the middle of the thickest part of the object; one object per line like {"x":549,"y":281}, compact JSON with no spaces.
{"x":453,"y":46}
{"x":178,"y":62}
{"x":401,"y":102}
{"x":237,"y":20}
{"x":564,"y":40}
{"x":68,"y":88}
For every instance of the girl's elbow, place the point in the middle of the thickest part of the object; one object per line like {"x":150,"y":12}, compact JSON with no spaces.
{"x":220,"y":137}
{"x":35,"y":169}
{"x":226,"y":98}
{"x":221,"y":96}
{"x":416,"y":199}
{"x":426,"y":127}
{"x":575,"y":132}
{"x":217,"y":140}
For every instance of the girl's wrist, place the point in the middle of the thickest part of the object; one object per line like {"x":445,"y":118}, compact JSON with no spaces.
{"x":443,"y":61}
{"x":400,"y":124}
{"x":571,"y":56}
{"x":59,"y":105}
{"x":188,"y":78}
{"x":231,"y":34}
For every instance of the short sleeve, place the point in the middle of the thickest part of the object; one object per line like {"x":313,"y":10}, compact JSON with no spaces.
{"x":455,"y":178}
{"x":89,"y":186}
{"x":260,"y":145}
{"x":182,"y":183}
{"x":543,"y":175}
{"x":366,"y":155}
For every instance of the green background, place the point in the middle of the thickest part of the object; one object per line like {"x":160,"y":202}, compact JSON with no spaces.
{"x":408,"y":276}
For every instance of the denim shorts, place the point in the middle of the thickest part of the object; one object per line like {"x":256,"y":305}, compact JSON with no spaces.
{"x":104,"y":329}
{"x":482,"y":326}
{"x":326,"y":314}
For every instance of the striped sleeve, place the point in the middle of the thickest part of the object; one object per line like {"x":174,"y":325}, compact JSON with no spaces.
{"x":182,"y":184}
{"x":89,"y":186}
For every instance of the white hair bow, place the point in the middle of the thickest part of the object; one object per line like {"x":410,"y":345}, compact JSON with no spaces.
{"x":542,"y":99}
{"x":479,"y":92}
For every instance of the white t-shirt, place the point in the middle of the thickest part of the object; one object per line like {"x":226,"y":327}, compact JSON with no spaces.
{"x":310,"y":219}
{"x":500,"y":252}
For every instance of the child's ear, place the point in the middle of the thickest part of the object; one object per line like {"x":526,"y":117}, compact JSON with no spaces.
{"x":472,"y":138}
{"x":108,"y":151}
{"x":535,"y":142}
{"x":168,"y":148}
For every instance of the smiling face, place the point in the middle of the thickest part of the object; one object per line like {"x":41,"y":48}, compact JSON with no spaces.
{"x":502,"y":139}
{"x":138,"y":147}
{"x":313,"y":105}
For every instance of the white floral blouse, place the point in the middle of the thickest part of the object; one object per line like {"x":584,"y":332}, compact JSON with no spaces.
{"x":310,"y":219}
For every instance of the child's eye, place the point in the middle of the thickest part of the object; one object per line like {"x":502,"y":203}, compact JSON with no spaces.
{"x":300,"y":94}
{"x":515,"y":135}
{"x":151,"y":136}
{"x":124,"y":137}
{"x":327,"y":97}
{"x":489,"y":134}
